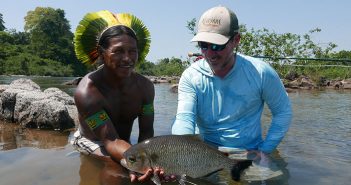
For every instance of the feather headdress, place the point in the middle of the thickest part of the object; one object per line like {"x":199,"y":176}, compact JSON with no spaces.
{"x":93,"y":24}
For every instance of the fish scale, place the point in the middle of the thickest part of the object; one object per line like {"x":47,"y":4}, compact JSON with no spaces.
{"x":178,"y":155}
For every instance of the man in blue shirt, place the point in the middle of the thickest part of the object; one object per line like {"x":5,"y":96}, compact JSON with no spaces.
{"x":223,"y":94}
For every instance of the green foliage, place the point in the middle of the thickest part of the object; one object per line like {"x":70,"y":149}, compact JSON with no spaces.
{"x":191,"y":26}
{"x":2,"y":26}
{"x":265,"y":43}
{"x":169,"y":67}
{"x":164,"y":67}
{"x":342,"y":55}
{"x":27,"y":64}
{"x":146,"y":68}
{"x":19,"y":38}
{"x":8,"y":49}
{"x":262,"y":42}
{"x":50,"y":34}
{"x":5,"y":37}
{"x":320,"y":69}
{"x":45,"y":48}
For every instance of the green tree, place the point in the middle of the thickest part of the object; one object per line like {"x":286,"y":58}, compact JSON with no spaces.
{"x":146,"y":68}
{"x":45,"y":48}
{"x":50,"y":34}
{"x":16,"y":38}
{"x":2,"y":26}
{"x":29,"y":64}
{"x":169,"y":67}
{"x":343,"y":55}
{"x":51,"y":38}
{"x":191,"y":26}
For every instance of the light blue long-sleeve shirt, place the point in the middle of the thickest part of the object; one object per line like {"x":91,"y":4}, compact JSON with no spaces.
{"x":227,"y":111}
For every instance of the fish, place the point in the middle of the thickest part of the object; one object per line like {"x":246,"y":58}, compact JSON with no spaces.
{"x":180,"y":155}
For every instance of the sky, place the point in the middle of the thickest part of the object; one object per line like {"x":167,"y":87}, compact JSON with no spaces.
{"x":167,"y":20}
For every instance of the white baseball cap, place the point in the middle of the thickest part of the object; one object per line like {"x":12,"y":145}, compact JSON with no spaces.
{"x":217,"y":25}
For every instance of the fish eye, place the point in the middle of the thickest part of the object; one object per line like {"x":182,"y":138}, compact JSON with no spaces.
{"x":131,"y":159}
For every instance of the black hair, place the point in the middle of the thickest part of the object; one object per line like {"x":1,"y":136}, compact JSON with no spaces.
{"x":115,"y":31}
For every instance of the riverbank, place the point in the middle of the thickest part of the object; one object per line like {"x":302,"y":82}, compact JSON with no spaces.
{"x":291,"y":84}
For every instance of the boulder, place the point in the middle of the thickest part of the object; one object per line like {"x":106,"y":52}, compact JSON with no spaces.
{"x":163,"y":79}
{"x":174,"y":88}
{"x":73,"y":82}
{"x":302,"y":82}
{"x":3,"y":87}
{"x":23,"y":102}
{"x":346,"y":84}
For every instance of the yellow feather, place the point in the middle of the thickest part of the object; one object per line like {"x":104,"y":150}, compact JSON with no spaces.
{"x":124,"y":18}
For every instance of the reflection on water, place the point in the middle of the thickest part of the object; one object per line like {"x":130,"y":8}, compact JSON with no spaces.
{"x":316,"y":150}
{"x":13,"y":136}
{"x":28,"y":165}
{"x":165,"y":109}
{"x":318,"y":142}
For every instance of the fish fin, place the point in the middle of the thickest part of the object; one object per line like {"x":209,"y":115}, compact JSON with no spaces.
{"x":182,"y":179}
{"x":156,"y":179}
{"x":239,"y":167}
{"x":211,"y":173}
{"x":195,"y":137}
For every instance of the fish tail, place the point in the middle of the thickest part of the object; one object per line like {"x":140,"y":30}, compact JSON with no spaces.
{"x":239,"y":167}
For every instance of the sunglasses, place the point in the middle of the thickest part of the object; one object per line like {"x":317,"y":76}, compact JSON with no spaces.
{"x":214,"y":47}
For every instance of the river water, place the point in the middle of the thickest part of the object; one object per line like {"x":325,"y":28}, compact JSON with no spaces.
{"x":316,"y":150}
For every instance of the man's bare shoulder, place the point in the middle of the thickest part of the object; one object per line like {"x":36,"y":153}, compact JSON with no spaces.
{"x":146,"y":86}
{"x":143,"y":82}
{"x":87,"y":95}
{"x":143,"y":79}
{"x":86,"y":86}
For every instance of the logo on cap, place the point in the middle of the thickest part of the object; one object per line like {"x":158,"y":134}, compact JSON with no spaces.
{"x":211,"y":22}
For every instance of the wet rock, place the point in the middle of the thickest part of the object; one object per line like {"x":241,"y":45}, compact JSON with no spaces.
{"x":334,"y":84}
{"x":174,"y":88}
{"x":163,"y":79}
{"x":289,"y":90}
{"x":73,"y":82}
{"x":24,"y":84}
{"x":302,"y":82}
{"x":291,"y":75}
{"x":293,"y":84}
{"x":3,"y":88}
{"x":23,"y":102}
{"x":346,"y":84}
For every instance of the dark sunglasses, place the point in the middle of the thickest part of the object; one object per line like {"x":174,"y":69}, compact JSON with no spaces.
{"x":214,"y":47}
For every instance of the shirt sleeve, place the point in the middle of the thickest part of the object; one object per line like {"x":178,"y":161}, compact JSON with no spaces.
{"x":186,"y":112}
{"x":276,"y":97}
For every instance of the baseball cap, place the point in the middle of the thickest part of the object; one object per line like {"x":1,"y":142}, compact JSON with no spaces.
{"x":216,"y":26}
